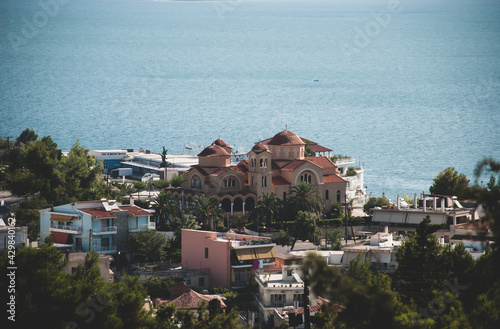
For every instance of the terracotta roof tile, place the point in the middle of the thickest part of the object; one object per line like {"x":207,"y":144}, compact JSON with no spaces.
{"x":259,"y":148}
{"x":190,"y":300}
{"x":333,"y":179}
{"x":286,"y":137}
{"x":321,"y":161}
{"x":135,"y":210}
{"x":213,"y":151}
{"x":294,"y":164}
{"x":278,"y":180}
{"x":220,"y":142}
{"x":315,"y":146}
{"x":98,"y":213}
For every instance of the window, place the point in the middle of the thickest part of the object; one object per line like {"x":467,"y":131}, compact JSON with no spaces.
{"x":289,"y":273}
{"x":188,"y":282}
{"x":206,"y":252}
{"x":338,"y":196}
{"x":78,"y":243}
{"x":278,"y":300}
{"x":261,"y":163}
{"x":229,"y":182}
{"x":201,"y":282}
{"x":286,"y":153}
{"x":284,"y":195}
{"x":295,"y":153}
{"x":253,"y":162}
{"x":278,"y":152}
{"x":306,"y":178}
{"x":264,"y":181}
{"x":196,"y":182}
{"x":299,"y":299}
{"x":327,"y":195}
{"x":253,"y":181}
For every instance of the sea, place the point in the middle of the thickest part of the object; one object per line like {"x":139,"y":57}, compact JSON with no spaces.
{"x":407,"y":87}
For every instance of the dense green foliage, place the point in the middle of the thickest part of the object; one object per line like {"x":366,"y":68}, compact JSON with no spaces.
{"x":148,"y":246}
{"x":351,"y":171}
{"x":450,"y":182}
{"x":375,"y":202}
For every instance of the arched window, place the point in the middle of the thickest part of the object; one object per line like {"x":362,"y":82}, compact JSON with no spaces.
{"x":277,"y":152}
{"x":265,"y":163}
{"x":261,"y":163}
{"x":338,"y":196}
{"x":284,"y":195}
{"x":264,"y":181}
{"x":253,"y":181}
{"x":196,"y":182}
{"x":295,"y":153}
{"x":286,"y":153}
{"x":327,"y":195}
{"x":253,"y":162}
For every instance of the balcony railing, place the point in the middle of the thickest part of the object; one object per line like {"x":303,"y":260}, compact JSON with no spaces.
{"x":105,"y":230}
{"x":149,"y":226}
{"x":105,"y":249}
{"x":65,"y":227}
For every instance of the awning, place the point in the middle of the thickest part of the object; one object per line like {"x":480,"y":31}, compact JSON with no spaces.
{"x":61,"y":218}
{"x":245,"y":254}
{"x":59,"y":237}
{"x":263,"y":253}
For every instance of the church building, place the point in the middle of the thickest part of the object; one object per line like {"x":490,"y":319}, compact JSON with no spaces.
{"x":274,"y":165}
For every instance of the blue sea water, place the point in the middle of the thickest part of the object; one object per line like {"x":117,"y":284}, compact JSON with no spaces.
{"x":408,"y":87}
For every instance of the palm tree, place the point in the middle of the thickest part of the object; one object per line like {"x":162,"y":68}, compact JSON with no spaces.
{"x":167,"y":211}
{"x":305,"y":197}
{"x":268,"y":207}
{"x":208,"y":211}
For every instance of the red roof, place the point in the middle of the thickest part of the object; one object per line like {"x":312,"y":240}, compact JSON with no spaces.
{"x":259,"y":148}
{"x":286,"y":137}
{"x":294,"y":165}
{"x":220,"y":142}
{"x":102,"y":213}
{"x":214,"y":151}
{"x":321,"y":161}
{"x":315,"y":146}
{"x":190,"y":300}
{"x":98,"y":213}
{"x":135,"y":210}
{"x":333,"y":179}
{"x":277,"y":180}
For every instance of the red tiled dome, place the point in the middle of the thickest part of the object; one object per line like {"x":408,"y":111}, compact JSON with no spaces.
{"x":259,"y":147}
{"x":213,"y":151}
{"x":286,"y":137}
{"x":220,"y":142}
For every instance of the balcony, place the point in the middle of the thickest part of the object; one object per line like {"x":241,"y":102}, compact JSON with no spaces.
{"x":65,"y":228}
{"x":149,"y":226}
{"x":105,"y":249}
{"x":105,"y":230}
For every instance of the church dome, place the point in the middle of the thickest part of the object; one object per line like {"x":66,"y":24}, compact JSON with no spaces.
{"x":259,"y":148}
{"x":220,"y":142}
{"x":286,"y":137}
{"x":213,"y":151}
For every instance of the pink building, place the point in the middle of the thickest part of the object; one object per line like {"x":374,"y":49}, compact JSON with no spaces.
{"x":230,"y":258}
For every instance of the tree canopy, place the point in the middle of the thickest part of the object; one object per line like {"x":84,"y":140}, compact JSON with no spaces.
{"x":450,"y":182}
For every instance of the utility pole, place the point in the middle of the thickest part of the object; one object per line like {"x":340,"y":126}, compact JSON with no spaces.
{"x":345,"y":221}
{"x":307,"y":302}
